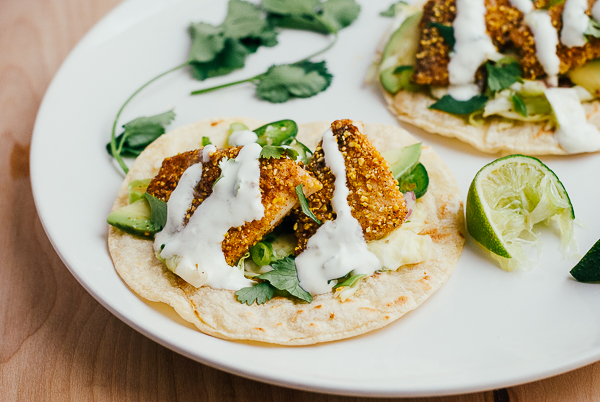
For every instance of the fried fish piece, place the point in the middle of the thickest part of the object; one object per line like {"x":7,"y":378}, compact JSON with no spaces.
{"x":374,"y":199}
{"x":433,"y":53}
{"x":278,"y":179}
{"x":570,"y":57}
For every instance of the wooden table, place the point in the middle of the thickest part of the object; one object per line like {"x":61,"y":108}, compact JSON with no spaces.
{"x":56,"y":341}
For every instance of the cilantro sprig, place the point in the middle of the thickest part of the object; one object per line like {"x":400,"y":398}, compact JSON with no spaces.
{"x":304,"y":204}
{"x":450,"y":105}
{"x":283,"y":277}
{"x":502,"y":74}
{"x":220,"y":49}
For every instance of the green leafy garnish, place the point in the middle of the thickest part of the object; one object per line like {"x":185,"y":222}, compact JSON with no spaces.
{"x":282,"y":132}
{"x":328,"y":16}
{"x":446,"y":31}
{"x":158,"y":210}
{"x":206,"y":141}
{"x":138,"y":134}
{"x":593,"y":29}
{"x":276,"y":152}
{"x":285,"y":277}
{"x":218,"y":50}
{"x":519,"y":105}
{"x":261,"y":253}
{"x":260,"y":293}
{"x":393,"y":9}
{"x":450,"y":105}
{"x":349,"y":281}
{"x":502,"y":75}
{"x":416,"y":181}
{"x":304,"y":204}
{"x":303,"y":80}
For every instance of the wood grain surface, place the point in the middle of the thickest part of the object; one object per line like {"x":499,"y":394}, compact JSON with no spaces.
{"x":56,"y":342}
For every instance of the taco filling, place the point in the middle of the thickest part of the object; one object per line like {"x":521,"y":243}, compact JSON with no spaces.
{"x":263,"y":225}
{"x":501,"y":63}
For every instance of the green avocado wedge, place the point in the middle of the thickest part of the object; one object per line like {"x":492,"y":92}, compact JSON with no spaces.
{"x":134,"y":219}
{"x":399,"y":56}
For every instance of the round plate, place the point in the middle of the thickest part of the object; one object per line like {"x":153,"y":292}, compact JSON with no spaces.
{"x":484,"y":329}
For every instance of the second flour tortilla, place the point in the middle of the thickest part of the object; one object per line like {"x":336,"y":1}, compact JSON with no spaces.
{"x":381,"y":298}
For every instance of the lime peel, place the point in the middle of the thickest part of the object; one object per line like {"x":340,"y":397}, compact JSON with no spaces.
{"x":507,"y":198}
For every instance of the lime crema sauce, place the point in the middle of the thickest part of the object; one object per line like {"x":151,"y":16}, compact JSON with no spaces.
{"x":196,"y":247}
{"x":574,"y":133}
{"x":546,"y":41}
{"x":575,"y":22}
{"x":472,"y":48}
{"x":338,"y":247}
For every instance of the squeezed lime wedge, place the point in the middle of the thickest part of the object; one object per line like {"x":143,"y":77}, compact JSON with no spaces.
{"x":507,"y":198}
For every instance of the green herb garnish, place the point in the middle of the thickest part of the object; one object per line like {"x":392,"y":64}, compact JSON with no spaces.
{"x":260,"y":293}
{"x":304,"y":204}
{"x":502,"y":75}
{"x":446,"y":31}
{"x":206,"y":141}
{"x":158,"y":210}
{"x":450,"y":105}
{"x":284,"y":277}
{"x":325,"y":17}
{"x":276,"y":152}
{"x":519,"y":105}
{"x":138,"y":134}
{"x":349,"y":281}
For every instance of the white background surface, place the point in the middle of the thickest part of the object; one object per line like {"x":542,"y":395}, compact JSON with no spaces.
{"x":484,"y":329}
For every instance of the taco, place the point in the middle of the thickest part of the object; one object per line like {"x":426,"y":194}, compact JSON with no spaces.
{"x":395,"y":251}
{"x":502,"y":75}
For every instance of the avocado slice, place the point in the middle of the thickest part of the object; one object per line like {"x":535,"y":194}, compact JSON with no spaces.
{"x":588,"y":76}
{"x":133,"y":219}
{"x":399,"y":56}
{"x":402,"y":160}
{"x":137,"y":188}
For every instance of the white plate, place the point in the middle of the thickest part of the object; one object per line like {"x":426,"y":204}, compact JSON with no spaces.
{"x":484,"y":329}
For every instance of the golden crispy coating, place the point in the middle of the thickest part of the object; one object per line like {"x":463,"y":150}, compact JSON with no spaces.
{"x":570,"y":58}
{"x":278,"y":179}
{"x":433,"y":54}
{"x":375,"y":200}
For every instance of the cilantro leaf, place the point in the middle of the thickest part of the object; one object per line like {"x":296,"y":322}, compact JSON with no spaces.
{"x":450,"y":105}
{"x":206,"y":141}
{"x":391,"y":11}
{"x":158,"y":209}
{"x":260,"y":293}
{"x":519,"y":105}
{"x":447,"y":32}
{"x":593,"y":28}
{"x":277,"y":152}
{"x":140,"y":132}
{"x":218,"y":50}
{"x":502,"y":76}
{"x":285,"y":277}
{"x":285,"y":81}
{"x":325,"y":17}
{"x":304,"y":204}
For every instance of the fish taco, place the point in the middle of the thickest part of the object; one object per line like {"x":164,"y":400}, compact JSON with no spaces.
{"x":249,"y":235}
{"x":502,"y":75}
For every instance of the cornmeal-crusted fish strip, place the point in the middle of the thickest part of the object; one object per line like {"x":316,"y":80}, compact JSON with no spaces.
{"x":375,"y":200}
{"x":278,"y":179}
{"x":433,"y":54}
{"x":570,"y":57}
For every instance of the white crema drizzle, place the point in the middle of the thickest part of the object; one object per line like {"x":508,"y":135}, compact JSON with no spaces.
{"x":196,"y":247}
{"x":338,"y":247}
{"x":546,"y":41}
{"x":472,"y":48}
{"x":242,"y":137}
{"x":574,"y":133}
{"x":575,"y":22}
{"x":596,"y":10}
{"x":524,"y":6}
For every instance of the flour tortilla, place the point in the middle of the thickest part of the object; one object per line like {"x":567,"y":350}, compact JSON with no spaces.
{"x":380,"y":300}
{"x":495,"y":135}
